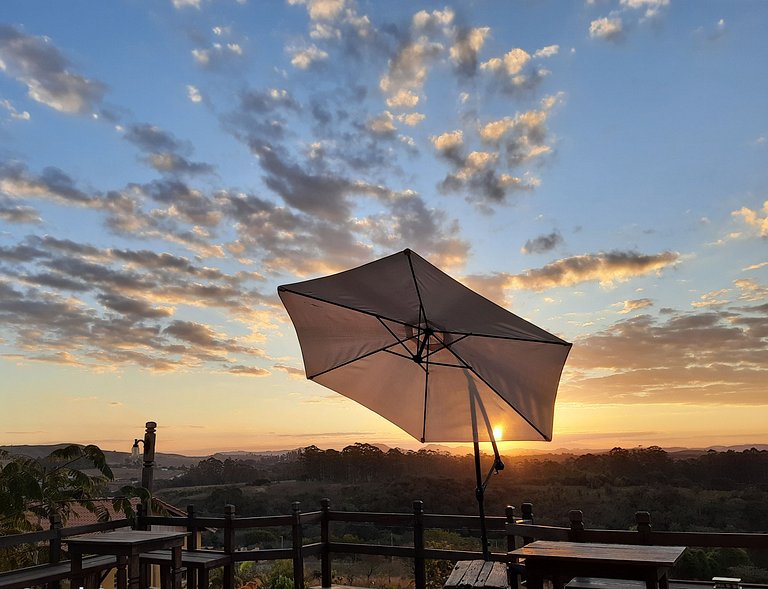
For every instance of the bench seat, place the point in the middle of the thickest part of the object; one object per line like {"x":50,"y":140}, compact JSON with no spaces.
{"x":600,"y":583}
{"x":478,"y":574}
{"x":53,"y":572}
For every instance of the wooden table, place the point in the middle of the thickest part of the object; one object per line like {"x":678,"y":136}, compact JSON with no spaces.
{"x":126,"y":546}
{"x":561,"y":561}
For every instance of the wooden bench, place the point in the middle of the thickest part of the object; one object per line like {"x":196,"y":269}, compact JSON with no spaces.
{"x":53,"y":572}
{"x":199,"y":561}
{"x":478,"y":574}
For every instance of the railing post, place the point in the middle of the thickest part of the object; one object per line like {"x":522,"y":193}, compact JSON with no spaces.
{"x":509,"y":513}
{"x":513,"y":567}
{"x":191,"y":545}
{"x":576,"y":518}
{"x":419,"y":570}
{"x":141,"y":517}
{"x":527,"y":509}
{"x":325,"y":539}
{"x":54,"y":548}
{"x":229,"y":546}
{"x":148,"y":468}
{"x":643,"y":521}
{"x":298,"y":541}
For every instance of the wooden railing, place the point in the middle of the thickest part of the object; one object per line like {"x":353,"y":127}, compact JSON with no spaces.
{"x":517,"y":530}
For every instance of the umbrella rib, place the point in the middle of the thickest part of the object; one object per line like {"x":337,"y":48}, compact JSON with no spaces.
{"x":422,"y":315}
{"x":397,"y":342}
{"x":348,"y":362}
{"x":426,"y":398}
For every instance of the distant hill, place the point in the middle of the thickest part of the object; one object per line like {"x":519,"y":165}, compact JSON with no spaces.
{"x":169,"y":460}
{"x":114,"y":458}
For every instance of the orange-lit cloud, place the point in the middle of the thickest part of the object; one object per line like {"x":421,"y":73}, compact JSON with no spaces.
{"x":706,"y":357}
{"x":605,"y":268}
{"x":753,"y":218}
{"x":634,"y":305}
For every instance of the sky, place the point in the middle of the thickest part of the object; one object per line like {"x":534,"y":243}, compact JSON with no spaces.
{"x":599,"y":168}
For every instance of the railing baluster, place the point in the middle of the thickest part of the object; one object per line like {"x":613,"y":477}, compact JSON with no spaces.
{"x":576,"y":519}
{"x":643,"y":521}
{"x":229,"y":546}
{"x":325,"y":538}
{"x":297,"y":537}
{"x":419,"y":568}
{"x":192,"y":545}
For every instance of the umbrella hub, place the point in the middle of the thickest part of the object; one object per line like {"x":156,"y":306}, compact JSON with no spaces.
{"x":427,"y":341}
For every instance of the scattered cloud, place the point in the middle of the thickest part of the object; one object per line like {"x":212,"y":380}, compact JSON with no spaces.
{"x":548,"y":51}
{"x":46,"y":72}
{"x":649,"y":8}
{"x":194,"y":94}
{"x":13,"y":113}
{"x":607,"y":28}
{"x":753,"y":219}
{"x":712,"y":34}
{"x":186,"y":4}
{"x":713,"y":298}
{"x":163,"y":151}
{"x":634,"y":305}
{"x":542,"y":243}
{"x":303,"y":57}
{"x":132,"y":317}
{"x":604,"y":268}
{"x":705,"y":357}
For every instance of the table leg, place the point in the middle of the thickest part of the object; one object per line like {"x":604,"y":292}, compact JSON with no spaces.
{"x":176,"y":567}
{"x":77,"y":569}
{"x":663,"y":581}
{"x":534,"y":580}
{"x":134,"y":572}
{"x":122,"y":572}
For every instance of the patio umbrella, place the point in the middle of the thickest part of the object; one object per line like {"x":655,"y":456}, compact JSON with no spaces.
{"x":432,"y":356}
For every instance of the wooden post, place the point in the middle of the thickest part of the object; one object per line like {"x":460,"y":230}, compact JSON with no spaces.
{"x":527,"y":509}
{"x":54,"y":548}
{"x":576,"y":533}
{"x":419,"y":569}
{"x":140,"y":524}
{"x":298,"y":541}
{"x":643,"y":521}
{"x":229,"y":546}
{"x":513,"y":576}
{"x":509,"y":513}
{"x":141,"y":517}
{"x":147,"y":470}
{"x":192,"y":545}
{"x":325,"y":538}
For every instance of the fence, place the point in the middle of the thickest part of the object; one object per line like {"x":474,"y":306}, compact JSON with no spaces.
{"x":516,"y":530}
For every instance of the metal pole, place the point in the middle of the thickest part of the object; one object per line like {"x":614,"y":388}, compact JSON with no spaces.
{"x":479,"y":491}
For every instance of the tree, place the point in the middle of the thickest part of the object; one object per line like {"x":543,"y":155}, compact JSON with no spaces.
{"x":35,"y":490}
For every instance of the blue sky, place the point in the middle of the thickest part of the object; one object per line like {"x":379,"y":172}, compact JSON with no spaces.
{"x":598,"y":168}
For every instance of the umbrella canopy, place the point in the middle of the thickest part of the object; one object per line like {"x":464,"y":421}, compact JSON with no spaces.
{"x":435,"y":358}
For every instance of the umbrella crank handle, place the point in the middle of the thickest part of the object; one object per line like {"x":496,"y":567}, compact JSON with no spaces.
{"x":497,"y":466}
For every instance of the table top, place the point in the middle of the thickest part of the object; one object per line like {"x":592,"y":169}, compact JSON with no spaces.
{"x":125,"y":540}
{"x":665,"y":556}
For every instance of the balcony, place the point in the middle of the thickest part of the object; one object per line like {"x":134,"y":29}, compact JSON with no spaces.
{"x":311,"y":545}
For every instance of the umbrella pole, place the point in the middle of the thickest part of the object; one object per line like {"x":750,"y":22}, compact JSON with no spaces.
{"x":480,"y":489}
{"x":479,"y":493}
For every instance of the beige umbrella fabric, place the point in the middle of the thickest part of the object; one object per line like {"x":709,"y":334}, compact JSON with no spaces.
{"x":432,"y":356}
